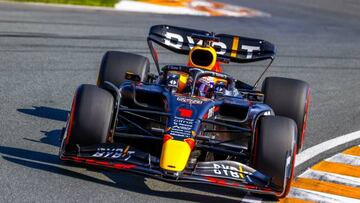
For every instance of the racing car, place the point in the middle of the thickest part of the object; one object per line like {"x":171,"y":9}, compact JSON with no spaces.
{"x":191,"y":122}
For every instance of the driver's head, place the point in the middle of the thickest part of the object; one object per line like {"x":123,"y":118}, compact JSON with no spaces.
{"x":208,"y":86}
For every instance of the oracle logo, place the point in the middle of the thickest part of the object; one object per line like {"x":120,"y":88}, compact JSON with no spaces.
{"x":177,"y":41}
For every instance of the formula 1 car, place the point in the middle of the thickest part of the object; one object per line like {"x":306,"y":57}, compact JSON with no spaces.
{"x":191,"y":122}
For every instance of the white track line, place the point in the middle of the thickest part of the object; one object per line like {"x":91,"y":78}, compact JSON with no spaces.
{"x":319,"y":196}
{"x":251,"y":199}
{"x":323,"y":147}
{"x":345,"y":159}
{"x":331,"y":177}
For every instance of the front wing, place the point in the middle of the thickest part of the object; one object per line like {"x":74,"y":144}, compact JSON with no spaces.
{"x":221,"y":173}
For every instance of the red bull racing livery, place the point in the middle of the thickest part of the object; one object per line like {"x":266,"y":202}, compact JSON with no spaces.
{"x":191,"y":122}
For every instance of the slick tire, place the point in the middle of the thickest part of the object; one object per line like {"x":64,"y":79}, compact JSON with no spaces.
{"x":115,"y":64}
{"x":289,"y":98}
{"x":90,"y":117}
{"x":275,"y":150}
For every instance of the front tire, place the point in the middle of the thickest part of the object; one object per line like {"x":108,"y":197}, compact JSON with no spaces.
{"x":90,"y":117}
{"x":289,"y":98}
{"x":275,"y":150}
{"x":115,"y":64}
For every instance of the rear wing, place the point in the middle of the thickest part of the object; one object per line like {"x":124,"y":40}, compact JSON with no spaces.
{"x":233,"y":48}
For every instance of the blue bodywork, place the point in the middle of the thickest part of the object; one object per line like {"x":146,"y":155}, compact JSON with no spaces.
{"x":201,"y":108}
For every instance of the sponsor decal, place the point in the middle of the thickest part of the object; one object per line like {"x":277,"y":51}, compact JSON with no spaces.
{"x":177,"y":41}
{"x":172,"y":80}
{"x":250,"y":50}
{"x":189,"y":100}
{"x":211,"y":112}
{"x":114,"y":153}
{"x":267,"y":113}
{"x":228,"y":171}
{"x":181,"y":127}
{"x":225,"y":169}
{"x":187,"y":113}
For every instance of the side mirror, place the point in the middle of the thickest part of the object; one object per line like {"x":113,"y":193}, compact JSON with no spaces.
{"x":132,"y":76}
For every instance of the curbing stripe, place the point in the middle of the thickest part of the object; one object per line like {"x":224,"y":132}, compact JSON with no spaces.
{"x":319,"y":196}
{"x":345,"y":159}
{"x":327,"y":187}
{"x":338,"y":168}
{"x":355,"y":151}
{"x":331,"y":177}
{"x":311,"y":152}
{"x":188,"y":7}
{"x":293,"y":200}
{"x":144,"y":7}
{"x":336,"y":179}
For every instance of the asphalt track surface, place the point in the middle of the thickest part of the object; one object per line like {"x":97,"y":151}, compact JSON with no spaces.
{"x":46,"y":52}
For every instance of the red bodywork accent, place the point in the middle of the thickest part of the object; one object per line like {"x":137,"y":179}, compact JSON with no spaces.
{"x":288,"y":183}
{"x":167,"y":137}
{"x":222,"y":182}
{"x":305,"y":116}
{"x":166,"y":105}
{"x":190,"y":142}
{"x":186,"y":113}
{"x":216,"y":109}
{"x":217,"y":181}
{"x":155,"y":53}
{"x":255,"y":146}
{"x":217,"y":68}
{"x":71,"y":120}
{"x":98,"y":163}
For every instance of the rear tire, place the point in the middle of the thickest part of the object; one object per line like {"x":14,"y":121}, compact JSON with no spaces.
{"x":115,"y":64}
{"x":275,"y":150}
{"x":90,"y":117}
{"x":289,"y":98}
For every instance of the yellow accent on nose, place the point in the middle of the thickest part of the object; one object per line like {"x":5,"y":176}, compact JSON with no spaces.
{"x":174,"y":155}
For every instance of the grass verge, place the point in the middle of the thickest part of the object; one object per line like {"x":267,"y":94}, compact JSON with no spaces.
{"x":104,"y":3}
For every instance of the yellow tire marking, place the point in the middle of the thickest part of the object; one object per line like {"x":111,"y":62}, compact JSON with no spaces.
{"x":293,"y":200}
{"x":235,"y":47}
{"x":338,"y":168}
{"x":327,"y":187}
{"x":355,"y":151}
